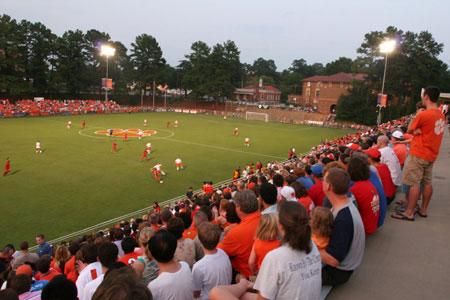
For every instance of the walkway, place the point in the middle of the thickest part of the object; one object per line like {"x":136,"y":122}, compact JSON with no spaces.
{"x":409,"y":260}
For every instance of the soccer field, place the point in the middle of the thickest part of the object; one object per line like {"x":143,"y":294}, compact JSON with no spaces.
{"x":77,"y":182}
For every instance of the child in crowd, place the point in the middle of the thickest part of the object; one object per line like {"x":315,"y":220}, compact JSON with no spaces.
{"x":321,"y":226}
{"x":215,"y":267}
{"x":267,"y":239}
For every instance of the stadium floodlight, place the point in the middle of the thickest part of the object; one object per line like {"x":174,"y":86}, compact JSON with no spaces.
{"x":107,"y":51}
{"x":386,"y":47}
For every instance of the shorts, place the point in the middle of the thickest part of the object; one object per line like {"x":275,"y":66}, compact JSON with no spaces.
{"x":417,"y":170}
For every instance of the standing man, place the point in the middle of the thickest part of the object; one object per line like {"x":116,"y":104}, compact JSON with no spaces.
{"x":428,"y":129}
{"x":43,"y":246}
{"x":7,"y":168}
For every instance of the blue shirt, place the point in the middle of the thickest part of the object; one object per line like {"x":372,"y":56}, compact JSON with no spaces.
{"x":307,"y":182}
{"x":43,"y":249}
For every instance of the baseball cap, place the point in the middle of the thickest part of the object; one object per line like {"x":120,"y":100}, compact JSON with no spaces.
{"x":288,"y":193}
{"x":317,"y":169}
{"x":25,"y":270}
{"x":397,"y":134}
{"x":372,"y":152}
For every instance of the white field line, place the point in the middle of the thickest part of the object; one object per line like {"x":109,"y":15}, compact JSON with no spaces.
{"x":222,"y":148}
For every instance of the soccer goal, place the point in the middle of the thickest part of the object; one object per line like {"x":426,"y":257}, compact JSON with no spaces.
{"x":250,"y":115}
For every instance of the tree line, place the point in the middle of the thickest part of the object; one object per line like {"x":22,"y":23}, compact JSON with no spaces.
{"x":36,"y":62}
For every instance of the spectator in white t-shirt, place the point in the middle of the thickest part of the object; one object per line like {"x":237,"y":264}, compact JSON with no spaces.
{"x":89,"y":267}
{"x":292,"y":271}
{"x":175,"y":278}
{"x":389,"y":158}
{"x":107,"y":254}
{"x":215,"y":267}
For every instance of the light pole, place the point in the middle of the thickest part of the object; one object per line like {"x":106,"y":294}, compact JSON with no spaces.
{"x":107,"y":51}
{"x":386,"y":47}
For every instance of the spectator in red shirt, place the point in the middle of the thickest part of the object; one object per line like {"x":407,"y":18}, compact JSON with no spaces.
{"x":365,"y":193}
{"x":384,"y":173}
{"x":128,"y":246}
{"x":316,"y":191}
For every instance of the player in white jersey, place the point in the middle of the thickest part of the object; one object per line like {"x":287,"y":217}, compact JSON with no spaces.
{"x":179,"y":164}
{"x":175,"y":124}
{"x":38,"y":147}
{"x":236,"y":131}
{"x":69,"y":124}
{"x":145,"y":123}
{"x":247,"y":142}
{"x":140,"y":134}
{"x":148,"y":147}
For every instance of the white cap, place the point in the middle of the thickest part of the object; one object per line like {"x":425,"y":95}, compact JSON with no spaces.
{"x":397,"y":134}
{"x":288,"y":193}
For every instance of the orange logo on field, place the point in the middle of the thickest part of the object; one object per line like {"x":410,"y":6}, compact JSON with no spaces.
{"x":131,"y":132}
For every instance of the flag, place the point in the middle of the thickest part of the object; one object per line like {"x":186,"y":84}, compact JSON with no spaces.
{"x":382,"y":100}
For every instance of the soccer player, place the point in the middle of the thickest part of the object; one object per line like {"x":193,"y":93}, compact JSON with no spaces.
{"x":125,"y":135}
{"x":110,"y":132}
{"x":144,"y":155}
{"x":168,"y":124}
{"x":69,"y":124}
{"x":7,"y":168}
{"x":236,"y":131}
{"x":148,"y":147}
{"x":176,"y":124}
{"x":83,"y":124}
{"x":114,"y":147}
{"x":145,"y":123}
{"x":156,"y":172}
{"x":179,"y":164}
{"x":247,"y":142}
{"x":140,"y":134}
{"x":38,"y":147}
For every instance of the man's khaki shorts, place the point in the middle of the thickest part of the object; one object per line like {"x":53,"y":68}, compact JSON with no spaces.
{"x":417,"y":170}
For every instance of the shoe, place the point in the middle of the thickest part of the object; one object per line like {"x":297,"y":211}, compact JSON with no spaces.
{"x":401,"y":216}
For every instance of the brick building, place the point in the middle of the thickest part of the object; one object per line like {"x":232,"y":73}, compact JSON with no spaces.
{"x":257,"y":93}
{"x":323,"y":92}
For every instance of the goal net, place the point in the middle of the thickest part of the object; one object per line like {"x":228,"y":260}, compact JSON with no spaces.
{"x":249,"y":115}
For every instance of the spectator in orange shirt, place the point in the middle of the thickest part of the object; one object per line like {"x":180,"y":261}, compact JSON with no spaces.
{"x":266,"y":240}
{"x":400,"y":149}
{"x":238,"y":241}
{"x":428,"y":130}
{"x":44,"y":270}
{"x":70,"y":267}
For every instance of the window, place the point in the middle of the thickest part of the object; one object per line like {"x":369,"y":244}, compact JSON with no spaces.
{"x":319,"y":84}
{"x":308,"y":92}
{"x":308,"y":83}
{"x":317,"y":93}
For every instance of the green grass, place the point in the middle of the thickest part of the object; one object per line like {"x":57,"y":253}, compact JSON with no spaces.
{"x":77,"y":182}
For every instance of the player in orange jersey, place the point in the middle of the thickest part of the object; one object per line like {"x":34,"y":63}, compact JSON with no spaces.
{"x":7,"y":168}
{"x":114,"y":147}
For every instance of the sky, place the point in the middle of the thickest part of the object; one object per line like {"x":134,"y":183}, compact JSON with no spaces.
{"x":282,"y":30}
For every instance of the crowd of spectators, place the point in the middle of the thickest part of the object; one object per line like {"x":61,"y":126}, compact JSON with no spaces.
{"x":46,"y":107}
{"x":279,"y":231}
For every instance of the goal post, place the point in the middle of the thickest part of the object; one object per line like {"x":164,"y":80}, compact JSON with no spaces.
{"x":256,"y":116}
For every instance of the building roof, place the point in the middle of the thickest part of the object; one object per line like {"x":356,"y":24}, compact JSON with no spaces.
{"x":254,"y":87}
{"x":338,"y":77}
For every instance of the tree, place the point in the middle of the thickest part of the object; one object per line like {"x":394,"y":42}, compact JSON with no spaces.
{"x":358,"y":106}
{"x":342,"y":64}
{"x":263,"y":67}
{"x":72,"y":71}
{"x":195,"y":69}
{"x":147,"y":60}
{"x":414,"y":64}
